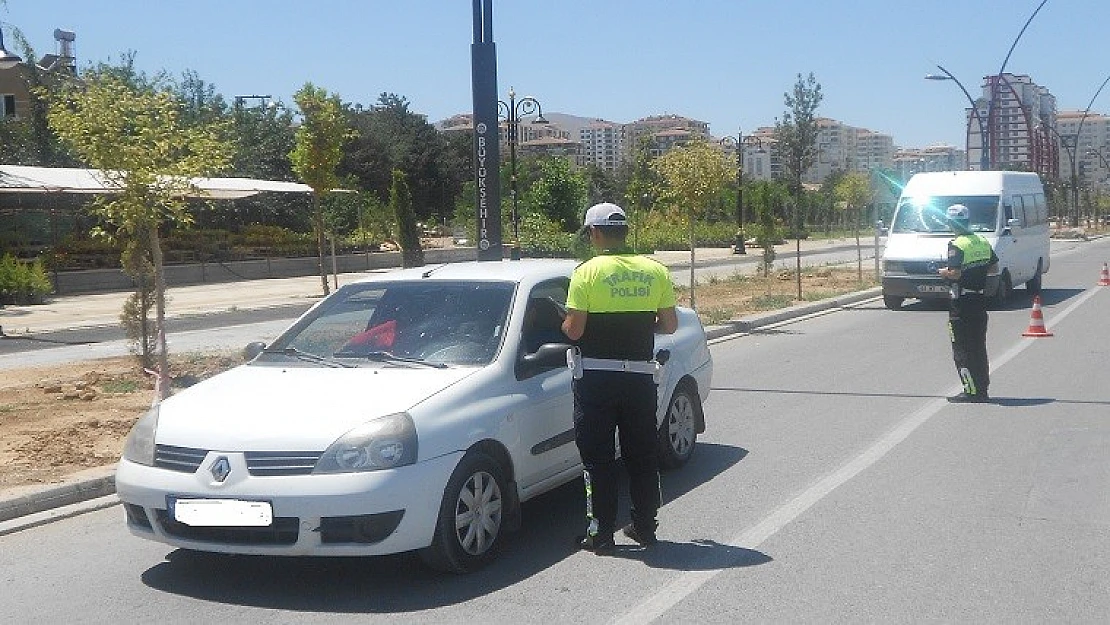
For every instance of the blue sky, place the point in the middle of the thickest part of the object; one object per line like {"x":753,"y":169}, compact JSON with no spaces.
{"x":727,"y":62}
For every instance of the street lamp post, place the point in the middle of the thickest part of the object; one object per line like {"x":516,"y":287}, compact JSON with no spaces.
{"x":740,"y":143}
{"x":984,"y":156}
{"x":511,"y":113}
{"x":1071,"y":147}
{"x":8,"y":59}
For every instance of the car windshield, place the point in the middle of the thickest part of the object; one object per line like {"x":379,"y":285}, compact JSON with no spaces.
{"x":407,"y":324}
{"x":928,"y":214}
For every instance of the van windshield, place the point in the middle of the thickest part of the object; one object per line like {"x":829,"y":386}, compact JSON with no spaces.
{"x":929,"y":213}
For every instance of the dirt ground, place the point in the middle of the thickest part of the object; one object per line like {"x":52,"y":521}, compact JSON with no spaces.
{"x":58,"y":420}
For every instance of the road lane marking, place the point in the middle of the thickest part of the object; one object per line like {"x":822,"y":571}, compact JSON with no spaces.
{"x":687,"y":583}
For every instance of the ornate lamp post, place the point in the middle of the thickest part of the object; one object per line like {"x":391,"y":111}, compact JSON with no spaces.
{"x":984,"y":155}
{"x":739,"y":145}
{"x":8,"y":59}
{"x":511,"y":112}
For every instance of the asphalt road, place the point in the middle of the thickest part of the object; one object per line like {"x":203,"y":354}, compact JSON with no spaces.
{"x":834,"y":484}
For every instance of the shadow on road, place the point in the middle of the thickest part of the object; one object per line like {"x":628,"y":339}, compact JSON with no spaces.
{"x":400,"y":583}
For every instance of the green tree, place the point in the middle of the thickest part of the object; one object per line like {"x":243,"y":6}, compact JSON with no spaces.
{"x":559,"y":194}
{"x":148,"y":155}
{"x":319,"y":143}
{"x":390,"y":136}
{"x":408,"y":235}
{"x":693,"y":176}
{"x":854,"y":190}
{"x":641,"y":182}
{"x":765,"y":199}
{"x":796,"y":142}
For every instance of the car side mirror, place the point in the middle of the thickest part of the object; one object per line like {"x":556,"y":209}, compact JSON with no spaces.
{"x":548,"y":356}
{"x":252,"y":350}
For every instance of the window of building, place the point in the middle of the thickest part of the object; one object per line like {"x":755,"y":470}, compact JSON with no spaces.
{"x":7,"y":105}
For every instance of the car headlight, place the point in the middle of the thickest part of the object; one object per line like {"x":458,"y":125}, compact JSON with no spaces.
{"x":383,"y":443}
{"x":139,"y":447}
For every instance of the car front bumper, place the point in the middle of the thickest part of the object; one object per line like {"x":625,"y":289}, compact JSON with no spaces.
{"x":344,"y":514}
{"x":915,"y":286}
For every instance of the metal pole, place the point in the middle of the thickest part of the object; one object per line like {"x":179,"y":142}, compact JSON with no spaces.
{"x":487,"y":152}
{"x":514,"y":251}
{"x":741,"y":247}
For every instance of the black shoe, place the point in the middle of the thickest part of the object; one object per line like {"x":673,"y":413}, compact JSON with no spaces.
{"x":965,"y":398}
{"x":645,"y":539}
{"x":600,"y":544}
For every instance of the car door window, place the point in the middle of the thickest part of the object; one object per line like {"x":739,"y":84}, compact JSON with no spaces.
{"x":543,"y":316}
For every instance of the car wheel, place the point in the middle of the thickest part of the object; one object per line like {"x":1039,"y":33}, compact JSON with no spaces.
{"x":469,"y":527}
{"x":893,"y":302}
{"x":1003,"y":292}
{"x":679,"y":431}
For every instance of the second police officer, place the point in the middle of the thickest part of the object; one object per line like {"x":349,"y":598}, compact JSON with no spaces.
{"x":617,"y":302}
{"x":970,"y":259}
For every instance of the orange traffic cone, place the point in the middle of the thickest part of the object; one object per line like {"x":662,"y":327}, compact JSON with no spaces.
{"x":1036,"y":320}
{"x":1104,"y":277}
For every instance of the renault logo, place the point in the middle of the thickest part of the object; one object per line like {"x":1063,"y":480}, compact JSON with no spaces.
{"x":221,"y":468}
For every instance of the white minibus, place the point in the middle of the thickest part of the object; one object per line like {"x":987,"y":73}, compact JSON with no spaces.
{"x":1007,"y":208}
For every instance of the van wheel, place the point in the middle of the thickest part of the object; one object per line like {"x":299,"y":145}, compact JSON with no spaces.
{"x":1034,"y":285}
{"x":893,"y":302}
{"x":1004,"y":288}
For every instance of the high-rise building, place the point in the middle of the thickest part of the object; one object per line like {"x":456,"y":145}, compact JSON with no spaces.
{"x":666,"y":131}
{"x":1090,"y":135}
{"x":1018,"y":125}
{"x":601,"y":145}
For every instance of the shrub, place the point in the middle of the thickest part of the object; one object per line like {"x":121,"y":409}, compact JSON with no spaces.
{"x":23,"y":283}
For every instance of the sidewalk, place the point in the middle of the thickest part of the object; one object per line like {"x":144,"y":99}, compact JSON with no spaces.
{"x":103,"y":309}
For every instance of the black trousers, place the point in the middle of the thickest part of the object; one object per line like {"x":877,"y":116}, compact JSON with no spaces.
{"x":967,"y":327}
{"x":609,"y":404}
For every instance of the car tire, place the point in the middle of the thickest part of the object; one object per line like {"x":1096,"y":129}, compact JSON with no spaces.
{"x":1005,"y":286}
{"x":1034,"y":285}
{"x":471,"y":518}
{"x":893,"y":302}
{"x":678,"y":433}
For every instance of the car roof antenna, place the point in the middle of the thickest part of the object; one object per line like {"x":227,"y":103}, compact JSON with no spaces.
{"x":429,"y":272}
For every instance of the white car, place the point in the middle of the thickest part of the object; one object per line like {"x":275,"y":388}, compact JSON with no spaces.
{"x":413,"y":410}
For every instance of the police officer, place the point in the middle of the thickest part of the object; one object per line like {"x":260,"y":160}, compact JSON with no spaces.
{"x":617,"y":302}
{"x":970,"y":259}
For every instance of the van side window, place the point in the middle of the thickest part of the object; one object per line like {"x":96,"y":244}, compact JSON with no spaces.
{"x":1042,"y":208}
{"x":1014,"y":210}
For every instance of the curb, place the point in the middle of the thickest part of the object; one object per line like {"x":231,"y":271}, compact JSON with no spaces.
{"x":752,"y":322}
{"x":27,"y":501}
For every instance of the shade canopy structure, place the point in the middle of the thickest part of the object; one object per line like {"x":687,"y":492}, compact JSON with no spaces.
{"x":25,"y":179}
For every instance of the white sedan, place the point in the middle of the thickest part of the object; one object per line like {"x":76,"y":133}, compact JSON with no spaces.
{"x":413,"y":410}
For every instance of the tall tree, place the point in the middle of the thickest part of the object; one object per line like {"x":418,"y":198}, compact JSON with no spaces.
{"x":641,"y":180}
{"x":390,"y":136}
{"x":796,"y":141}
{"x":319,"y":144}
{"x":693,"y":176}
{"x":148,"y":155}
{"x":408,"y":235}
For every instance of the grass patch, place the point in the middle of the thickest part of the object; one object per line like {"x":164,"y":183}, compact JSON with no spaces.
{"x":119,"y":387}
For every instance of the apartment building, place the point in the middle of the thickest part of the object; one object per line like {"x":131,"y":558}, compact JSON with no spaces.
{"x":666,"y":131}
{"x":1020,"y":122}
{"x":1090,"y":136}
{"x":601,"y":144}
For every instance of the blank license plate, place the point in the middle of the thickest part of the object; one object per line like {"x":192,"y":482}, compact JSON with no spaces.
{"x":932,"y":288}
{"x":222,"y":513}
